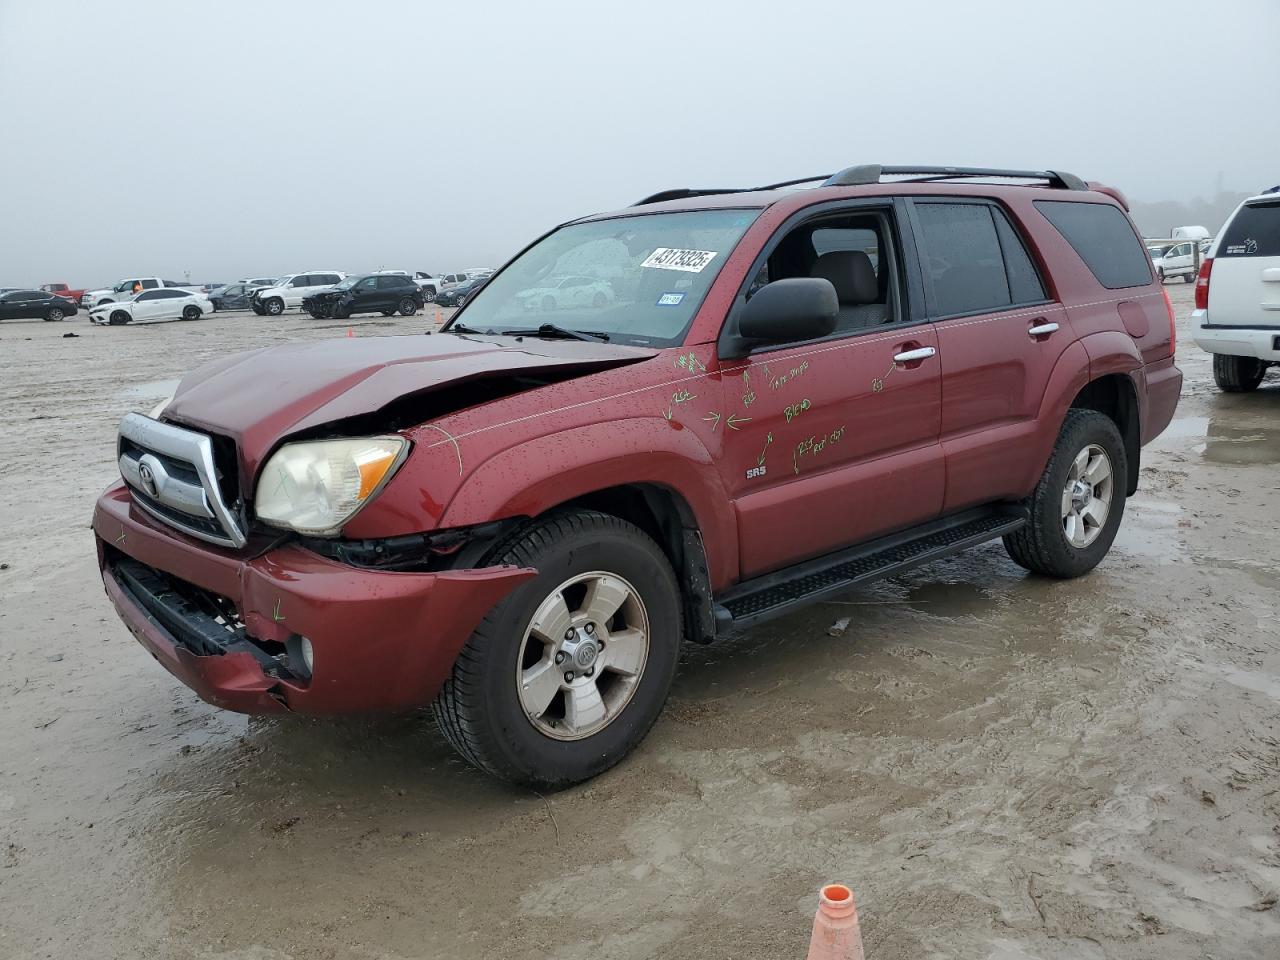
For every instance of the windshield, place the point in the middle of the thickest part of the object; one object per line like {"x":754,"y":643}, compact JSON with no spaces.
{"x":638,"y":279}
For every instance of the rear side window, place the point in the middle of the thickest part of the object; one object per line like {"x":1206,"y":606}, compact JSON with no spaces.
{"x":1253,"y":232}
{"x":962,"y":258}
{"x":1105,"y":240}
{"x":150,"y":284}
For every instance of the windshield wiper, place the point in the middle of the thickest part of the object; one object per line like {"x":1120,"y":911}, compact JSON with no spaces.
{"x":461,"y":328}
{"x":552,"y":330}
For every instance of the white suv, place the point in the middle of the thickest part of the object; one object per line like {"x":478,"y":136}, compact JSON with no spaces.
{"x":290,"y":290}
{"x":1237,"y":315}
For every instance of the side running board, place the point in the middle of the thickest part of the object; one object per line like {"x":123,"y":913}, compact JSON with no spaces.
{"x":783,"y":591}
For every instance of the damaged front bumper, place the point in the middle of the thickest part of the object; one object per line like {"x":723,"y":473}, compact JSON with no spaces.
{"x":229,"y":626}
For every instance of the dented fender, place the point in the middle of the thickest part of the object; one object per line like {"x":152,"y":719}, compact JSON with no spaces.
{"x":532,"y":477}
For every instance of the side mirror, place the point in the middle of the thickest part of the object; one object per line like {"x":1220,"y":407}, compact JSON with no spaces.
{"x":795,"y":309}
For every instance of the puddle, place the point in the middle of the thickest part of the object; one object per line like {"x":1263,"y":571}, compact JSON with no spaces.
{"x":153,"y":390}
{"x":1255,"y":681}
{"x":1241,"y":445}
{"x":1150,"y":529}
{"x":1227,"y":443}
{"x":944,"y":599}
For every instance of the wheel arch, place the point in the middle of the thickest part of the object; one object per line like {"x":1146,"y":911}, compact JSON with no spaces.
{"x":1115,"y":396}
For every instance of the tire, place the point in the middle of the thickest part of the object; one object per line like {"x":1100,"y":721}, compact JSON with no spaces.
{"x":1044,"y":545}
{"x":1189,"y":278}
{"x":1160,"y":274}
{"x":598,"y":300}
{"x":192,"y":313}
{"x":274,"y":307}
{"x":548,"y":303}
{"x":316,"y":314}
{"x":387,"y":313}
{"x":428,"y":296}
{"x":482,"y":707}
{"x":119,"y":318}
{"x":258,"y":310}
{"x":408,"y":307}
{"x":1237,"y":374}
{"x":55,"y":314}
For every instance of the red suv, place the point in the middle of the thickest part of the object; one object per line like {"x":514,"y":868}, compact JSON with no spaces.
{"x":769,"y":395}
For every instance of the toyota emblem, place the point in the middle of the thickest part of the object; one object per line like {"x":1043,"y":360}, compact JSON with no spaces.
{"x":148,"y":478}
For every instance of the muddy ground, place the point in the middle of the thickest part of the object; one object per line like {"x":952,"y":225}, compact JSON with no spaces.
{"x":1001,"y":766}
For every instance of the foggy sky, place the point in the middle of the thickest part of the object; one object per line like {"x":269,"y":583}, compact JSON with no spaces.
{"x":233,"y":139}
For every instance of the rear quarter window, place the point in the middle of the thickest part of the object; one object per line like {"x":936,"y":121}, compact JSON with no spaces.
{"x":1253,"y":232}
{"x":1105,"y":240}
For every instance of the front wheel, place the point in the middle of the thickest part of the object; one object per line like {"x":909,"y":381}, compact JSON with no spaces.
{"x":119,"y":318}
{"x":55,"y":313}
{"x":1077,"y":506}
{"x":191,"y":313}
{"x":274,"y":306}
{"x":564,"y":677}
{"x":407,"y":307}
{"x":1237,"y":374}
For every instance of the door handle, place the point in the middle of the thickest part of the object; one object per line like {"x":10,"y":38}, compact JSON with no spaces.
{"x":920,"y":353}
{"x":1042,"y":329}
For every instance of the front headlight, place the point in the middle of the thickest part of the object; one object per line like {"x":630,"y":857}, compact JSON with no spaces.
{"x":315,"y":487}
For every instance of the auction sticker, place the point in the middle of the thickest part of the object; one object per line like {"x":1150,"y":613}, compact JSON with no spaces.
{"x":670,"y":299}
{"x":671,"y":258}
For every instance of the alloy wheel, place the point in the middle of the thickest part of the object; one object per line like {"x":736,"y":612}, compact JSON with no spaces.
{"x":1086,"y":498}
{"x":583,"y":655}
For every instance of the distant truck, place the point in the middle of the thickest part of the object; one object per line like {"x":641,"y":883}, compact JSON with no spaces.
{"x":62,"y":290}
{"x":124,"y":290}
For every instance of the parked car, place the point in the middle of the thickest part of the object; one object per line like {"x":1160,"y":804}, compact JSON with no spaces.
{"x":152,"y":306}
{"x":64,"y":291}
{"x":385,"y":293}
{"x":1237,"y":314}
{"x":35,"y":305}
{"x":234,"y":296}
{"x":1180,"y":260}
{"x":290,"y":290}
{"x":456,"y":295}
{"x":451,"y":280}
{"x":428,"y":283}
{"x":125,"y":289}
{"x":521,"y":521}
{"x":259,"y":281}
{"x":559,"y":293}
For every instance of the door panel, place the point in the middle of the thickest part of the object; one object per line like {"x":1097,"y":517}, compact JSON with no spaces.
{"x":829,"y":444}
{"x":994,"y":374}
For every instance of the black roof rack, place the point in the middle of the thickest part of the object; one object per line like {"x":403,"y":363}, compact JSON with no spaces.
{"x":872,"y":172}
{"x":869,"y":173}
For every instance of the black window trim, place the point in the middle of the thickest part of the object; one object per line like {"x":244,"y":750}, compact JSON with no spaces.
{"x":902,"y":262}
{"x":990,"y":203}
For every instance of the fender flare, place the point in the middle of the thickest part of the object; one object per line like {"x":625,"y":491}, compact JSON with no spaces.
{"x":559,"y":467}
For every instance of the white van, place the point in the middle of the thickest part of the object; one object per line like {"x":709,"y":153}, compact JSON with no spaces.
{"x":1237,"y":315}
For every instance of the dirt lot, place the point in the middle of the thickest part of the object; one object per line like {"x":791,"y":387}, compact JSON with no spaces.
{"x":1001,"y":766}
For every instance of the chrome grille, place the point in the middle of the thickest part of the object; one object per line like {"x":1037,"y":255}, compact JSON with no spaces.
{"x":172,"y":475}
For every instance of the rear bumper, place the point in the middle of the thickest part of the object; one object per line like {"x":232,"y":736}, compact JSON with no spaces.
{"x":1262,"y":342}
{"x":382,"y":641}
{"x":1164,"y":387}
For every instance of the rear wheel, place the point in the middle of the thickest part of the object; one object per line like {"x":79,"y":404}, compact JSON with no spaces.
{"x":119,"y":318}
{"x":1077,"y":506}
{"x":1237,"y":374}
{"x":408,"y":307}
{"x":274,"y":307}
{"x":191,"y":312}
{"x":565,"y":676}
{"x":1160,"y":274}
{"x":55,"y":313}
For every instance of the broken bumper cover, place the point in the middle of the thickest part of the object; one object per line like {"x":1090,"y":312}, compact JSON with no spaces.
{"x":382,"y":641}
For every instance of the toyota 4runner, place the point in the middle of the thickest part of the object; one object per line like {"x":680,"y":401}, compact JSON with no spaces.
{"x":519,"y":519}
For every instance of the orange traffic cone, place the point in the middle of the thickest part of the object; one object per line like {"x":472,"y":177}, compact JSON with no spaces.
{"x":350,"y":332}
{"x":439,"y":316}
{"x":836,"y":935}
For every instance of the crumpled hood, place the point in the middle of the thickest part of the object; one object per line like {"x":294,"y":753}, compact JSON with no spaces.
{"x":262,"y":396}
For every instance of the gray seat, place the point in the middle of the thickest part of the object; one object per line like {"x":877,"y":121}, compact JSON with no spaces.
{"x":853,"y":276}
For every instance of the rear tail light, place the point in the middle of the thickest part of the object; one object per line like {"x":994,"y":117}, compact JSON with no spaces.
{"x":1173,"y":322}
{"x":1202,"y":284}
